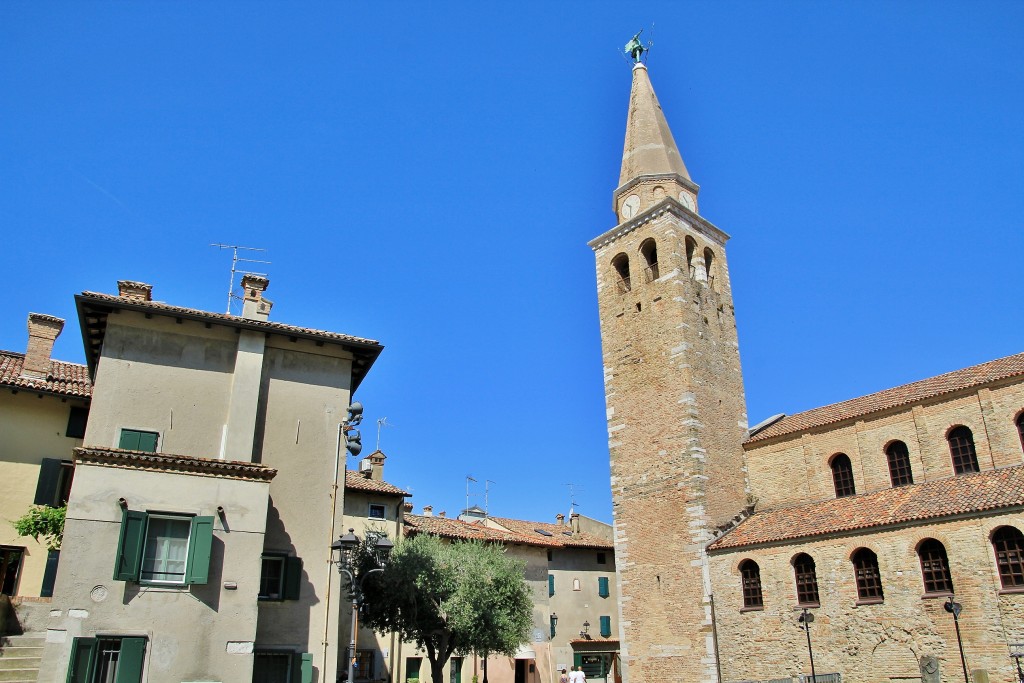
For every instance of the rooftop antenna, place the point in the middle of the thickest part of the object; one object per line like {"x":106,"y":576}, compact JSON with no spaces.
{"x":382,"y":422}
{"x":235,"y":260}
{"x":468,"y":479}
{"x":573,"y":488}
{"x":487,"y":485}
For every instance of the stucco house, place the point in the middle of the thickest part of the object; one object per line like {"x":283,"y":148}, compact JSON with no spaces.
{"x":206,"y":496}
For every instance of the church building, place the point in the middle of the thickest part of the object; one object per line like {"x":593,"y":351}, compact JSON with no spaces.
{"x":885,"y":530}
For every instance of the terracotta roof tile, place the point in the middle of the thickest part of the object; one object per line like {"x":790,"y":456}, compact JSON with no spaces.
{"x":906,"y":394}
{"x":168,"y":462}
{"x":64,"y":379}
{"x":561,"y":534}
{"x":465,"y":531}
{"x":225,"y":318}
{"x":357,"y":482}
{"x":963,"y":494}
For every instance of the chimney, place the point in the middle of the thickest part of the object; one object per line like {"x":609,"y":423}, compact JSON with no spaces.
{"x":407,"y":507}
{"x":254,"y":306}
{"x":428,"y":510}
{"x":136,"y":291}
{"x":560,"y":519}
{"x":574,"y":522}
{"x":442,"y":514}
{"x":377,"y":459}
{"x":43,"y":330}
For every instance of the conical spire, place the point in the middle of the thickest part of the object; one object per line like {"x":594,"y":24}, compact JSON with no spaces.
{"x":650,"y":148}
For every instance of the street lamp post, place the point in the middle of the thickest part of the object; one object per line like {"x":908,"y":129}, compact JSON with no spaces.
{"x":954,"y":608}
{"x":805,"y":620}
{"x":342,"y":552}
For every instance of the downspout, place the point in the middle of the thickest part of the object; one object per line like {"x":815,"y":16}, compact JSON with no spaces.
{"x":714,"y":637}
{"x":330,"y":560}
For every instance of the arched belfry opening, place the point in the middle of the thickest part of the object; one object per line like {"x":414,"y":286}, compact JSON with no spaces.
{"x":709,"y":266}
{"x":621,"y":265}
{"x":649,"y":252}
{"x":691,"y":247}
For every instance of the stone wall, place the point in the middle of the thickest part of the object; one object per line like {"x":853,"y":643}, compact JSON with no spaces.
{"x":871,"y":642}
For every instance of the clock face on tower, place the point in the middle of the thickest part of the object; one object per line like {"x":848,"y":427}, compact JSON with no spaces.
{"x":630,"y":206}
{"x":686,"y":200}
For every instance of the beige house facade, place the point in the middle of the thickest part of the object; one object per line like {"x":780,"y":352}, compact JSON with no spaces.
{"x":44,"y":406}
{"x":882,"y":535}
{"x":206,"y":496}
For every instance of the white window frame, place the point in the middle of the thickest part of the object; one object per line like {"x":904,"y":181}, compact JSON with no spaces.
{"x":187,"y":521}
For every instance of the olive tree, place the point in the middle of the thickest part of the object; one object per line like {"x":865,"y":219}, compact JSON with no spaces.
{"x":448,"y":598}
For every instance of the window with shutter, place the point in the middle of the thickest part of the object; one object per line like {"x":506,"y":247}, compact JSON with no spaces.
{"x":54,"y":484}
{"x":107,"y":660}
{"x":50,"y":573}
{"x":77,"y":417}
{"x":551,"y":585}
{"x":606,"y":627}
{"x":164,"y":549}
{"x":602,"y":586}
{"x":137,"y":440}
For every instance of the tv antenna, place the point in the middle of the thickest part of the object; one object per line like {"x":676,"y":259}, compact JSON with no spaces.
{"x":487,"y":490}
{"x":235,"y":260}
{"x":468,"y":479}
{"x":381,"y":423}
{"x":573,"y":489}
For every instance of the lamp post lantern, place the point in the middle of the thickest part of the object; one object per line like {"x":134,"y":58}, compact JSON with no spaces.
{"x":805,"y":620}
{"x":343,"y":554}
{"x":954,"y":608}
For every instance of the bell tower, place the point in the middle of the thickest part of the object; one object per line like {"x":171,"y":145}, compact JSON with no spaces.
{"x":674,"y":397}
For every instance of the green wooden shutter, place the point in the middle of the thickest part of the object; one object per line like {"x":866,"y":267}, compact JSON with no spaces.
{"x":302,"y":667}
{"x":129,"y":440}
{"x":49,"y":478}
{"x":200,"y":543}
{"x":83,"y":650}
{"x":130,"y":660}
{"x":49,"y":574}
{"x":606,"y":626}
{"x":147,"y":441}
{"x":129,"y":546}
{"x":602,"y":586}
{"x":551,"y":585}
{"x":292,"y":578}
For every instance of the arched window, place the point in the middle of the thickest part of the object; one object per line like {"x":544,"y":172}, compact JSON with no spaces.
{"x":1008,"y":544}
{"x":691,"y":247}
{"x":934,"y":567}
{"x":621,"y":265}
{"x":751,"y":575}
{"x":899,"y":464}
{"x":806,"y":580}
{"x":961,"y":447}
{"x":649,"y":251}
{"x":842,"y":475}
{"x":869,"y":578}
{"x":1020,"y":428}
{"x":709,"y":265}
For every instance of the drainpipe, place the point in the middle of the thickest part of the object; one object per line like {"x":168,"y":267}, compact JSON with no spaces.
{"x":330,"y":563}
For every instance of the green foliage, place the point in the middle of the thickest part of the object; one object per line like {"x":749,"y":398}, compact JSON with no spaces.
{"x":45,"y":521}
{"x":449,"y":598}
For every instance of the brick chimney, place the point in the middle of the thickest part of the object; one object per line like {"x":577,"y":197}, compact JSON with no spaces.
{"x":407,"y":507}
{"x":43,"y":330}
{"x":377,"y":459}
{"x":428,"y":510}
{"x":254,"y":306}
{"x":559,"y":519}
{"x":442,"y":514}
{"x":137,"y":291}
{"x":574,"y":522}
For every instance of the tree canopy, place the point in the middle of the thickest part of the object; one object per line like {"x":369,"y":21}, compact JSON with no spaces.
{"x":449,"y":598}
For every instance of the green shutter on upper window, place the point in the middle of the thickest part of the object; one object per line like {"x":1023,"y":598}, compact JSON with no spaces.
{"x":551,"y":585}
{"x":129,"y":546}
{"x":606,"y":626}
{"x":83,"y":650}
{"x":129,"y":440}
{"x":130,"y":660}
{"x":49,"y":478}
{"x":200,"y":545}
{"x":602,"y":586}
{"x":292,"y":578}
{"x":147,"y":441}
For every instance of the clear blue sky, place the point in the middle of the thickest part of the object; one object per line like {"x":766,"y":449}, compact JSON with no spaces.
{"x":428,"y":174}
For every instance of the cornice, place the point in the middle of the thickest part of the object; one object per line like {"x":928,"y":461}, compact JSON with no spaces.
{"x":179,"y":464}
{"x":667,"y":205}
{"x":682,"y":180}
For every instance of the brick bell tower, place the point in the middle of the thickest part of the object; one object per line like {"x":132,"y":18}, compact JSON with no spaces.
{"x":674,"y":395}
